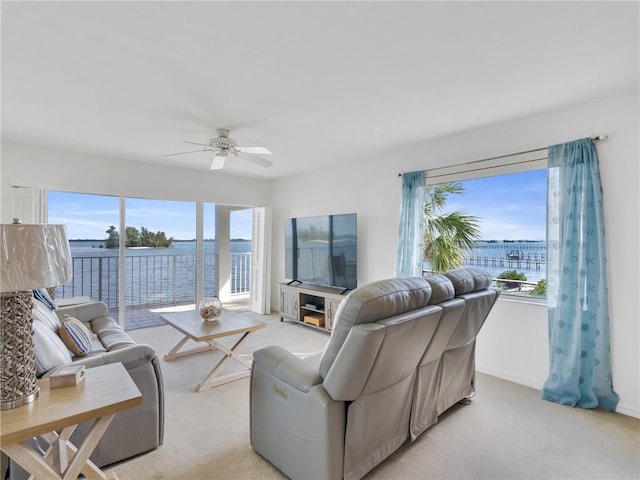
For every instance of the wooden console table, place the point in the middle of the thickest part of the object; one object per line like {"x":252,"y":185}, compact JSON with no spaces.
{"x":54,"y":416}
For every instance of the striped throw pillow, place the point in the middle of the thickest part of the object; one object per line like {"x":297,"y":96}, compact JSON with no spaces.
{"x":75,"y":339}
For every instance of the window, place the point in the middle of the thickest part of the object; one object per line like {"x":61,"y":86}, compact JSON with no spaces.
{"x":91,"y":221}
{"x":160,"y":265}
{"x":509,"y":211}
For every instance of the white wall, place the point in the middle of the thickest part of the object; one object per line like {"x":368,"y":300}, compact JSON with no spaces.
{"x":513,"y":342}
{"x":29,"y":165}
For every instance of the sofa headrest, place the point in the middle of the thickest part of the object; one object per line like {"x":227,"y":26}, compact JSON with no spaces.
{"x":469,"y":280}
{"x":441,"y":288}
{"x":370,"y":303}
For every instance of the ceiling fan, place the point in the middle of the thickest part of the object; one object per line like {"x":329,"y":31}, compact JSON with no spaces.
{"x":225,"y":146}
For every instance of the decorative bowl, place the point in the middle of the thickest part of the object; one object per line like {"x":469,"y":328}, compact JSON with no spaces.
{"x":210,"y":308}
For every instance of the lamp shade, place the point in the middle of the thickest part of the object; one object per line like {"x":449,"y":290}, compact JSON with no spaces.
{"x":33,"y":256}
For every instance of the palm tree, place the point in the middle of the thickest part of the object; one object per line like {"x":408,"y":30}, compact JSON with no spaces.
{"x":449,"y":236}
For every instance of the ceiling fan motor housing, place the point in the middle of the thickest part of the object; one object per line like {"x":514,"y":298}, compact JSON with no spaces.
{"x":223,"y":141}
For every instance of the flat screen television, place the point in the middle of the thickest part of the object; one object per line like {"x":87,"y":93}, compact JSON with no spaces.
{"x":322,"y":250}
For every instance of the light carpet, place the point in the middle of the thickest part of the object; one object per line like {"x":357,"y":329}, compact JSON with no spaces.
{"x":507,"y":432}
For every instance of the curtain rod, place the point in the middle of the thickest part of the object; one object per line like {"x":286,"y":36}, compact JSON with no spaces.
{"x":594,"y":138}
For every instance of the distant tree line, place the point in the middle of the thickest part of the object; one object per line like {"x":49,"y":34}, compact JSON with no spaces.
{"x":138,"y":238}
{"x":312,"y":233}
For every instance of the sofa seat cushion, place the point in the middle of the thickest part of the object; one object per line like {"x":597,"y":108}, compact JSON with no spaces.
{"x":111,"y":336}
{"x":99,"y":324}
{"x":96,"y":345}
{"x":113,"y":339}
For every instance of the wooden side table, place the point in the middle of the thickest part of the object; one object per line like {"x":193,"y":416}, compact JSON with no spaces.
{"x":55,"y":415}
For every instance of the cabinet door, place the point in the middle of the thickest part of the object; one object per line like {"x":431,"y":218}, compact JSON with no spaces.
{"x":289,"y":302}
{"x":330,"y":310}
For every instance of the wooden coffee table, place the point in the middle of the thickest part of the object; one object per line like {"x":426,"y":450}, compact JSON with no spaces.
{"x":196,"y":329}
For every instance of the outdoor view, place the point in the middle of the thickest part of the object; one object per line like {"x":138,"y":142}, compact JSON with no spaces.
{"x":160,"y":265}
{"x":495,"y":223}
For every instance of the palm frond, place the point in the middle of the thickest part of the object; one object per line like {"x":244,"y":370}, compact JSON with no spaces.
{"x":447,"y":237}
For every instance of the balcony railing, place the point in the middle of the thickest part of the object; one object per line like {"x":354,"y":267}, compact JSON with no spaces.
{"x":521,"y":288}
{"x":151,"y":279}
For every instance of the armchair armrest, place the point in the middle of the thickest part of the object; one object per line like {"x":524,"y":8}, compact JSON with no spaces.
{"x":85,"y":311}
{"x":294,"y":423}
{"x":287,"y":367}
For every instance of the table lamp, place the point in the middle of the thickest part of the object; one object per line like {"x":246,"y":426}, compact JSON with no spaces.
{"x":31,"y":257}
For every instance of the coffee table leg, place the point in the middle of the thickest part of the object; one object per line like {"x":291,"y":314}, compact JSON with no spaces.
{"x":213,"y":380}
{"x":174,"y":353}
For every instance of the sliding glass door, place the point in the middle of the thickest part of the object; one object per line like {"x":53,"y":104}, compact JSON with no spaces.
{"x":147,"y":255}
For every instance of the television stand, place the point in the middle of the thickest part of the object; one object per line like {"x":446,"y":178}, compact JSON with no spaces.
{"x":312,"y":305}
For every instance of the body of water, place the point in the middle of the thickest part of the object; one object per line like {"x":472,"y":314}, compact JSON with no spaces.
{"x":527,"y":257}
{"x":166,"y":275}
{"x":95,"y":248}
{"x":152,"y":275}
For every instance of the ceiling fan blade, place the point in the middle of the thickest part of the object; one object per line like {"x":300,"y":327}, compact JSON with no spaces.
{"x":192,"y":151}
{"x":263,"y":162}
{"x":196,"y":143}
{"x":218,"y":162}
{"x":254,"y":150}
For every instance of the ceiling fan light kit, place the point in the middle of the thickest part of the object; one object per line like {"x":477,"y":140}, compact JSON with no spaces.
{"x":222,"y":145}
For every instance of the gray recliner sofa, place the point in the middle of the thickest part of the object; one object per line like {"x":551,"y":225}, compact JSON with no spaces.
{"x":133,"y":431}
{"x":402,"y":351}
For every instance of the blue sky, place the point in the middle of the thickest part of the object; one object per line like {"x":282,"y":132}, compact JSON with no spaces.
{"x":89,"y":216}
{"x":509,"y":207}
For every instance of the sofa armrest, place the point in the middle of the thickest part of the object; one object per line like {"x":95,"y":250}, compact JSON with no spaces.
{"x":294,"y":423}
{"x":84,"y":311}
{"x":131,"y":357}
{"x":287,"y":367}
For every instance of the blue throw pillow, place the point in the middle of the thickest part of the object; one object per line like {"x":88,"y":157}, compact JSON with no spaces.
{"x":42,"y":295}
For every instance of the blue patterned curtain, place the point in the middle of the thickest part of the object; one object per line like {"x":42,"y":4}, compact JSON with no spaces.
{"x":410,"y":235}
{"x":580,"y":364}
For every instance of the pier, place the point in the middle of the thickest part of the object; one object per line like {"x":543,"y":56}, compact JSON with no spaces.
{"x":521,"y":262}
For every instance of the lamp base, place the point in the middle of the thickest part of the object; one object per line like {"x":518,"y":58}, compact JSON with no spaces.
{"x":18,"y":370}
{"x":9,"y":404}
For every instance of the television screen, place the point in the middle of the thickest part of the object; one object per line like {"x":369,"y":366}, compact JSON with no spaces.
{"x":322,"y":250}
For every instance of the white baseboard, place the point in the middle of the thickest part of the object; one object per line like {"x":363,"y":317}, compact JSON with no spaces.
{"x":622,"y":408}
{"x":629,"y":410}
{"x":511,"y":377}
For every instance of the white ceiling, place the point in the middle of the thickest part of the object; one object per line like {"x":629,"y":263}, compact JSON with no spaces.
{"x":318,"y":83}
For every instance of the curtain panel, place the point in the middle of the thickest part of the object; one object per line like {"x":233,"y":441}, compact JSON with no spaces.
{"x":577,"y":295}
{"x":411,"y":231}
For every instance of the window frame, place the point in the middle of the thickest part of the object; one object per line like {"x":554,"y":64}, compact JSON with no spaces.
{"x":499,"y":166}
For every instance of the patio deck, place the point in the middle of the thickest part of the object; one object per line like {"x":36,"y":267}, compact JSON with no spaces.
{"x":149,"y":315}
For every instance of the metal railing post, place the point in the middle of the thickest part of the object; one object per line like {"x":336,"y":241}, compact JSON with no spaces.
{"x":174,"y":279}
{"x":100,"y":278}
